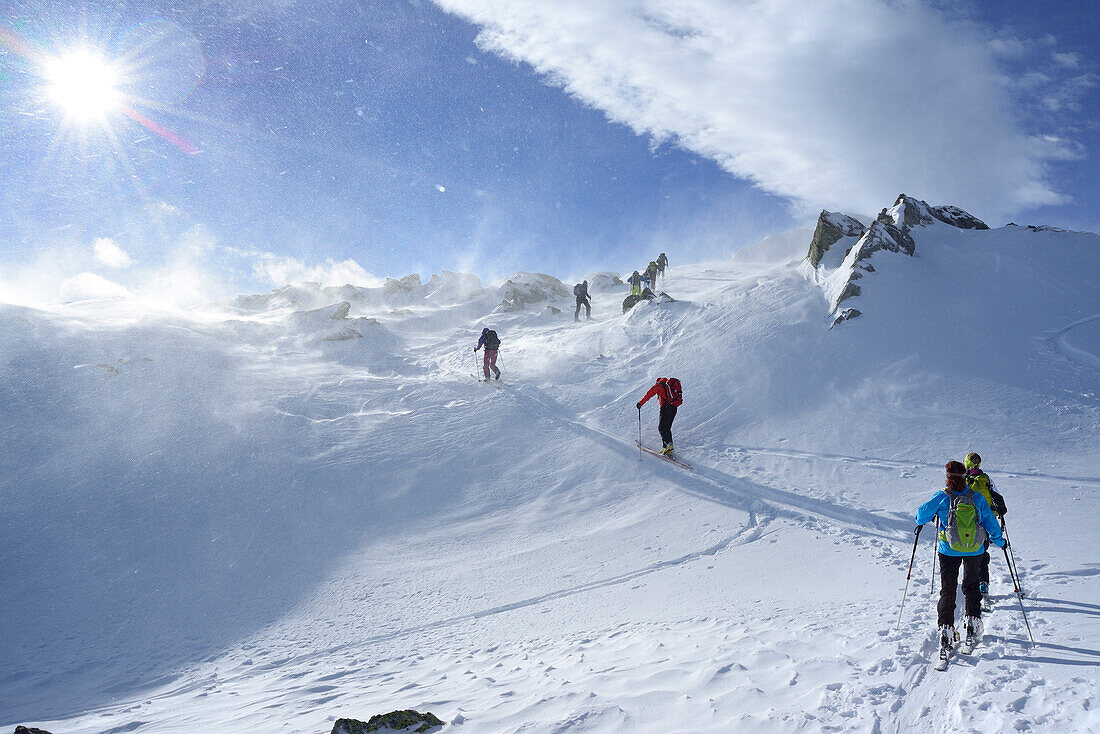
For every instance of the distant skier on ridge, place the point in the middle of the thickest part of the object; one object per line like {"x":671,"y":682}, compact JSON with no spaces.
{"x":670,"y":395}
{"x":966,"y":522}
{"x":651,"y":274}
{"x":491,"y":342}
{"x":580,"y":290}
{"x":662,"y":263}
{"x":636,"y":282}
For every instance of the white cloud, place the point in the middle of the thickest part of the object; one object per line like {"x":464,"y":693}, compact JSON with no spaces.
{"x":110,"y":254}
{"x":837,"y":103}
{"x":1068,"y":60}
{"x":280,"y":271}
{"x":90,"y":285}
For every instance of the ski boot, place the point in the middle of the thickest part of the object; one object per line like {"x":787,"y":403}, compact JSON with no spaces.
{"x":983,"y":589}
{"x":667,"y":450}
{"x":948,"y":638}
{"x":973,"y":634}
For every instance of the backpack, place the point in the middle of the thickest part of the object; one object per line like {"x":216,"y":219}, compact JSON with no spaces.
{"x":579,"y":290}
{"x":980,"y":483}
{"x":963,"y":531}
{"x":492,"y":341}
{"x":675,"y":392}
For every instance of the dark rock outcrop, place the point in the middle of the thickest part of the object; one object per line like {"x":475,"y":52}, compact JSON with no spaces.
{"x":525,"y":288}
{"x":892,"y":231}
{"x":647,"y":295}
{"x":881,"y":236}
{"x":956,"y":217}
{"x":831,"y":228}
{"x":29,"y":730}
{"x":845,"y":315}
{"x":884,"y":237}
{"x":909,"y":212}
{"x":393,"y":721}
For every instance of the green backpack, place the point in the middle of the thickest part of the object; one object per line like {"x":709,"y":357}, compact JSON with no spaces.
{"x":980,"y":483}
{"x":963,"y":532}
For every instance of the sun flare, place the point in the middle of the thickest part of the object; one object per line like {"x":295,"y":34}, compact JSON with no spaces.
{"x":83,"y":85}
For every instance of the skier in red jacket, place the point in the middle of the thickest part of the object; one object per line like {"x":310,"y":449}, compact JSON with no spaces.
{"x":670,"y":395}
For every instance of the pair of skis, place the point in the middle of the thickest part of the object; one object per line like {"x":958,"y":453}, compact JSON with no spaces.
{"x":947,"y":652}
{"x":670,"y":457}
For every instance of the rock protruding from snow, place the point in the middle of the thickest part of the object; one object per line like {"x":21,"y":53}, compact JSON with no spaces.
{"x":409,"y":720}
{"x":956,"y":217}
{"x":528,"y":288}
{"x":604,"y":280}
{"x":882,"y":237}
{"x":879,"y":237}
{"x":839,"y":283}
{"x":832,"y":227}
{"x":29,"y":730}
{"x":892,"y":231}
{"x":848,"y":313}
{"x":909,"y":212}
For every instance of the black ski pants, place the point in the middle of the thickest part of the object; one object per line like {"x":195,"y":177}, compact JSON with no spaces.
{"x":983,"y":574}
{"x":668,"y":414}
{"x":587,"y":308}
{"x":949,"y":582}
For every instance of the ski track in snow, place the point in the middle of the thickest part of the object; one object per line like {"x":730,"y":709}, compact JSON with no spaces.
{"x":1077,"y":354}
{"x":739,"y":493}
{"x":905,"y":464}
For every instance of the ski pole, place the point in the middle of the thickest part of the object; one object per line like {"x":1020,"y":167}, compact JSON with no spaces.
{"x":1019,"y":596}
{"x":909,"y":574}
{"x":475,"y":366}
{"x":1012,"y":557}
{"x":935,"y":557}
{"x":639,"y":434}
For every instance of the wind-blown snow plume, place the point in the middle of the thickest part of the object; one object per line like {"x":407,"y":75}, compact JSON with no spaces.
{"x":836,"y":103}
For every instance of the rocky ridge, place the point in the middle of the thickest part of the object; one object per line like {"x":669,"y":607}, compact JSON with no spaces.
{"x":891,"y":231}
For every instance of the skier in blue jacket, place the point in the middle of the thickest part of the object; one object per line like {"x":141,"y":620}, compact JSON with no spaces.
{"x":961,"y":543}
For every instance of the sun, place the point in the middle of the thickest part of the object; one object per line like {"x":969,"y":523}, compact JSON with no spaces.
{"x":84,"y":85}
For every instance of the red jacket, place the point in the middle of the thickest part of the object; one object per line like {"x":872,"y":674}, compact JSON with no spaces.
{"x":660,"y":389}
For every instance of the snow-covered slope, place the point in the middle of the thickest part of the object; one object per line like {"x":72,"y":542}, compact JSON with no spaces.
{"x":300,"y":510}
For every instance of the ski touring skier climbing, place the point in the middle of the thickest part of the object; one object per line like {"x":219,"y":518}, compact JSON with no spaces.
{"x":670,"y":395}
{"x":979,"y":481}
{"x":662,"y":263}
{"x":636,"y":281}
{"x":651,"y":274}
{"x":580,"y":290}
{"x":491,"y":342}
{"x":966,"y":523}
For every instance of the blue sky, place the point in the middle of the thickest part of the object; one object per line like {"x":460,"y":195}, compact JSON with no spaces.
{"x":339,"y":140}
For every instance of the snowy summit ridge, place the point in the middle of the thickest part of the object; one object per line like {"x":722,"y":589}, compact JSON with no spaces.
{"x":894,"y":230}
